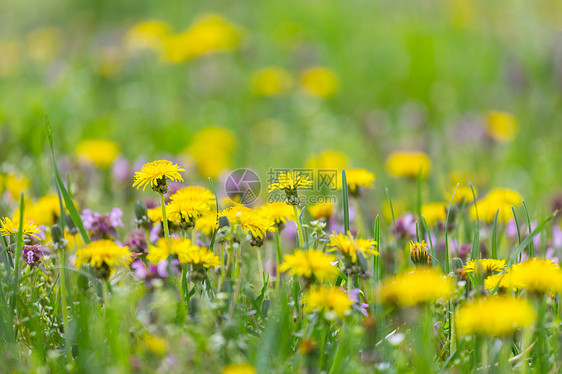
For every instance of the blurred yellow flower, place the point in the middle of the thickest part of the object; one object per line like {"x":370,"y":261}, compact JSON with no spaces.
{"x":166,"y":247}
{"x":239,"y":369}
{"x":278,"y":212}
{"x":156,"y":172}
{"x":537,"y":275}
{"x":501,"y":126}
{"x":210,"y":33}
{"x":321,"y":210}
{"x":462,"y":194}
{"x":434,"y":212}
{"x":311,"y":264}
{"x":11,"y":227}
{"x":43,"y":44}
{"x":271,"y":81}
{"x":44,"y":211}
{"x":398,"y":207}
{"x":207,"y":223}
{"x":13,"y":184}
{"x":498,"y":200}
{"x":326,"y":300}
{"x":212,"y":149}
{"x":349,"y":246}
{"x":146,"y":35}
{"x":100,"y":152}
{"x":408,"y":164}
{"x":358,"y":178}
{"x":320,"y":81}
{"x":155,"y":214}
{"x":415,"y":287}
{"x":11,"y":57}
{"x":328,"y":160}
{"x":494,"y":316}
{"x":155,"y":344}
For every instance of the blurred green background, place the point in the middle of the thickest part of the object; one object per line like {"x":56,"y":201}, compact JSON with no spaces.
{"x":416,"y":75}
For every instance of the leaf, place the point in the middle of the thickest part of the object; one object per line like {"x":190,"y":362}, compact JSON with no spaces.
{"x":67,"y":199}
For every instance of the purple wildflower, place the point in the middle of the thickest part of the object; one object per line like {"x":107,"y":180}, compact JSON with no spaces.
{"x":137,"y":242}
{"x":354,"y":296}
{"x":32,"y":254}
{"x":405,"y":226}
{"x":152,"y":272}
{"x":102,"y":226}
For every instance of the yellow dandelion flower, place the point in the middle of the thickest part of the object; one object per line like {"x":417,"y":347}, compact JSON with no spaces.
{"x":498,"y":200}
{"x":434,"y":212}
{"x":328,"y":160}
{"x":502,"y":280}
{"x":249,"y":220}
{"x":462,"y":194}
{"x":211,"y":164}
{"x":155,"y":214}
{"x":155,"y":173}
{"x":190,"y":203}
{"x":13,"y":184}
{"x":207,"y":223}
{"x":155,"y":344}
{"x":239,"y":369}
{"x":99,"y":152}
{"x":197,"y":255}
{"x":484,"y":265}
{"x":501,"y":126}
{"x":11,"y":52}
{"x":506,"y":195}
{"x":398,"y":208}
{"x":10,"y":227}
{"x":271,"y":81}
{"x":211,"y":33}
{"x":494,"y":316}
{"x":44,"y":43}
{"x":319,"y":81}
{"x":309,"y":264}
{"x":321,"y":210}
{"x":327,"y":300}
{"x":166,"y":247}
{"x":419,"y":253}
{"x":280,"y":213}
{"x":408,"y":164}
{"x":147,"y":35}
{"x":103,"y":253}
{"x":349,"y":246}
{"x":537,"y":275}
{"x":44,"y":211}
{"x":359,"y":178}
{"x":416,"y":287}
{"x":290,"y":181}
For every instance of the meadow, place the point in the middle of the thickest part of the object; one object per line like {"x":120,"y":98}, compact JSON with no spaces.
{"x":280,"y":187}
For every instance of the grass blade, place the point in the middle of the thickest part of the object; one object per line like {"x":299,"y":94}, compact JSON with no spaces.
{"x":67,"y":199}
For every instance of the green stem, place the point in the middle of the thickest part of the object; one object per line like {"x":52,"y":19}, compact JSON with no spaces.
{"x":278,"y":249}
{"x":164,"y":218}
{"x":299,"y":226}
{"x":62,"y":285}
